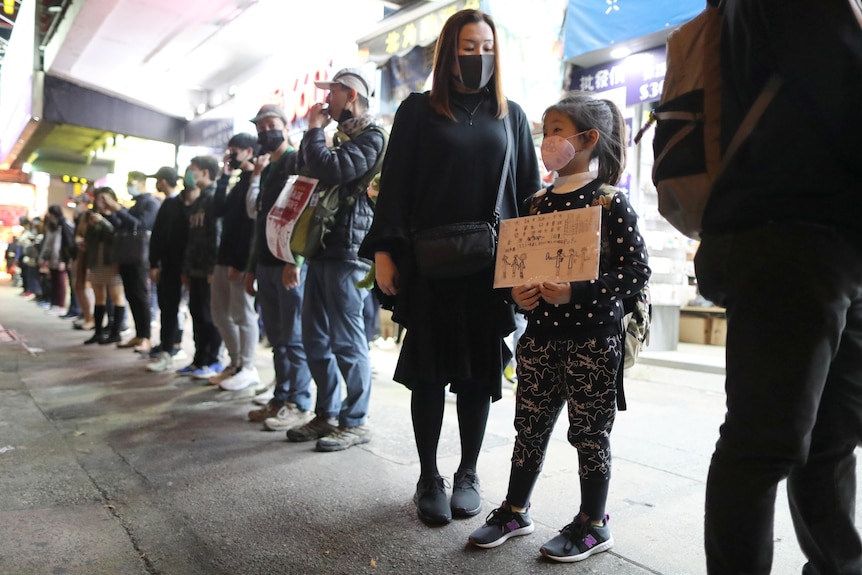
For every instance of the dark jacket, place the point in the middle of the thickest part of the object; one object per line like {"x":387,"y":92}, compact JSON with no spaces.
{"x":343,"y":165}
{"x":202,"y":245}
{"x":142,"y":214}
{"x":98,"y":234}
{"x":170,"y":235}
{"x":802,"y":162}
{"x":237,"y":229}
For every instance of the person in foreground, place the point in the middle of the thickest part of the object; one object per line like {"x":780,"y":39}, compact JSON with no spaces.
{"x":449,"y":151}
{"x":781,"y":250}
{"x":571,"y":352}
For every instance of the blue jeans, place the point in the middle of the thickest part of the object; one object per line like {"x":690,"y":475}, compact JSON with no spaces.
{"x":281,"y":310}
{"x":333,"y":331}
{"x":793,"y":294}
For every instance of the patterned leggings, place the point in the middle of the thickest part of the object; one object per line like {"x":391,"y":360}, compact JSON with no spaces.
{"x":581,"y":374}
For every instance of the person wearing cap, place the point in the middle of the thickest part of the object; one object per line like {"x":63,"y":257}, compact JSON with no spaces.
{"x":167,"y":250}
{"x":141,"y":216}
{"x":333,"y":326}
{"x":280,"y":304}
{"x":233,"y":309}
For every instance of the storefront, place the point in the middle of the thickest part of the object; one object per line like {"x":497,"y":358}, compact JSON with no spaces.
{"x":616,"y":49}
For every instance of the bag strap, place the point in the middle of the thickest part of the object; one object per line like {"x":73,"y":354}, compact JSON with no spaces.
{"x":751,"y":118}
{"x":856,"y":7}
{"x":505,"y":169}
{"x":362,"y":183}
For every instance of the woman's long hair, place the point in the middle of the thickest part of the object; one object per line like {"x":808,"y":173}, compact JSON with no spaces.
{"x":445,"y":55}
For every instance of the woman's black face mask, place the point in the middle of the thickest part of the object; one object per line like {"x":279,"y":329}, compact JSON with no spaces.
{"x":476,"y":70}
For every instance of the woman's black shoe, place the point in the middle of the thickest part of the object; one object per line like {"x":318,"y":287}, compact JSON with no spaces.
{"x":432,"y":505}
{"x":97,"y":338}
{"x":113,"y":338}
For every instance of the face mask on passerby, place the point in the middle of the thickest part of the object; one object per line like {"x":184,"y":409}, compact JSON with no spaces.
{"x":233,"y":161}
{"x":476,"y":70}
{"x":558,"y":151}
{"x":270,"y":140}
{"x":133,"y":190}
{"x":189,"y":180}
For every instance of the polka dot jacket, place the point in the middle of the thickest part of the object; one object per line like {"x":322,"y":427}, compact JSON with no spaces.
{"x":596,"y":305}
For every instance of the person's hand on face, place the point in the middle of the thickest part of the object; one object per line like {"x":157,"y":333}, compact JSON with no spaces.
{"x":318,"y":115}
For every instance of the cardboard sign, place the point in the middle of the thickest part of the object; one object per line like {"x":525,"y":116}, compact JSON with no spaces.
{"x":558,"y":247}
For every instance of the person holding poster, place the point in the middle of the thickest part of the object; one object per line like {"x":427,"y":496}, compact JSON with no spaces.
{"x":446,"y":159}
{"x":571,"y":352}
{"x":280,"y":303}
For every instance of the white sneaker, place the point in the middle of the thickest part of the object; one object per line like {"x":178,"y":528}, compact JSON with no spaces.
{"x":266,"y":394}
{"x":242,"y":379}
{"x":180,"y":354}
{"x":161,"y":362}
{"x":226,"y":373}
{"x":288,"y":416}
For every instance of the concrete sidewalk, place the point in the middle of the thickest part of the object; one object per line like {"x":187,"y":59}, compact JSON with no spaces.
{"x":107,"y":469}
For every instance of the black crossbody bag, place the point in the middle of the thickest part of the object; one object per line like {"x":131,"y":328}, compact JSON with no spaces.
{"x":463,"y":248}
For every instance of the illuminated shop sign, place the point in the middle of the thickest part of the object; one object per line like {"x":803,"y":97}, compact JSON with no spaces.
{"x":421,"y":31}
{"x":642,"y":76}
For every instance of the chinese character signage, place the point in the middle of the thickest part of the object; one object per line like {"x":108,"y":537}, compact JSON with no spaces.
{"x":642,"y":76}
{"x":558,"y":247}
{"x":419,"y":32}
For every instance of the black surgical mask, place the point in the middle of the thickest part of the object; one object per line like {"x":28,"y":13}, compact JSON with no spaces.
{"x":344,"y":115}
{"x":270,"y":140}
{"x":234,"y":163}
{"x":476,"y":70}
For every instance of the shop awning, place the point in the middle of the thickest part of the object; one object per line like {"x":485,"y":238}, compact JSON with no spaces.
{"x":406,"y":30}
{"x":597,"y":24}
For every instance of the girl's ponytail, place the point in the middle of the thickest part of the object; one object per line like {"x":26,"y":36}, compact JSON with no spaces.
{"x":612,"y":156}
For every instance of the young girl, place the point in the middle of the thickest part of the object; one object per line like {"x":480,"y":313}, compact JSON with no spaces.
{"x":571,"y":351}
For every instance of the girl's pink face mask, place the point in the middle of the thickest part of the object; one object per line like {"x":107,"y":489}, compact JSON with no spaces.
{"x":558,"y":151}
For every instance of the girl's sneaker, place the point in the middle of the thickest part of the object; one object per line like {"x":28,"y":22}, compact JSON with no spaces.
{"x":578,"y":540}
{"x":501,"y":525}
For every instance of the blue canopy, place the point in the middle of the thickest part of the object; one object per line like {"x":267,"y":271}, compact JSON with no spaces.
{"x":595,"y":24}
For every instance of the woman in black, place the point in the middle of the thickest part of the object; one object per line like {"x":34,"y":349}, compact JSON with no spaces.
{"x":444,"y":165}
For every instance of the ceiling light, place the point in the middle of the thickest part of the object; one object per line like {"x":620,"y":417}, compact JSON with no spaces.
{"x":620,"y":53}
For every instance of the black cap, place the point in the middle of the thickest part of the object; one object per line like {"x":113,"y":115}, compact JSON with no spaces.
{"x":166,"y":173}
{"x":243,"y":140}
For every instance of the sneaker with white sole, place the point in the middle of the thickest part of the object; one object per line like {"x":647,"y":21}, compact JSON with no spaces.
{"x":188,"y":370}
{"x":224,"y":374}
{"x":162,"y":362}
{"x":288,"y":417}
{"x":208,"y":371}
{"x":343,"y":438}
{"x":320,"y":426}
{"x":579,"y":540}
{"x":241,"y":379}
{"x":501,"y":525}
{"x":266,"y":394}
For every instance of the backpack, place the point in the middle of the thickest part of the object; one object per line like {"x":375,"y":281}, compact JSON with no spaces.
{"x":687,"y":143}
{"x":637,"y":310}
{"x":318,"y":218}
